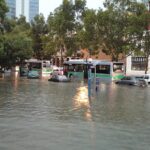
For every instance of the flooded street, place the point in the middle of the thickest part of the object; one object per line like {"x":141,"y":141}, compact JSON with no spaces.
{"x":36,"y":114}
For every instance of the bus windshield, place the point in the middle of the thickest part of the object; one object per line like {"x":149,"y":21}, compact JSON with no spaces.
{"x":74,"y":67}
{"x":118,"y":67}
{"x":104,"y":69}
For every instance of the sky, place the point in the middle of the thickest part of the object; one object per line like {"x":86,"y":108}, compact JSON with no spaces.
{"x":47,"y":6}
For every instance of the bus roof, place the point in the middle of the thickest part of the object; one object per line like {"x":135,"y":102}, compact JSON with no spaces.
{"x":101,"y":62}
{"x":98,"y":62}
{"x":93,"y":62}
{"x":33,"y":60}
{"x":78,"y":61}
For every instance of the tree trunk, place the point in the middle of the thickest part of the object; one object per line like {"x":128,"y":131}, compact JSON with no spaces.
{"x":146,"y":65}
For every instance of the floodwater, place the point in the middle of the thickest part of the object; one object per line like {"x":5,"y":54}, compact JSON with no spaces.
{"x":36,"y":114}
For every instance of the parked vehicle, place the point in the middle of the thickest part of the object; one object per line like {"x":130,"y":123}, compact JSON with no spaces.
{"x":146,"y":77}
{"x":144,"y":80}
{"x":129,"y":80}
{"x":105,"y":70}
{"x":58,"y":70}
{"x":33,"y":74}
{"x":59,"y":78}
{"x":42,"y":66}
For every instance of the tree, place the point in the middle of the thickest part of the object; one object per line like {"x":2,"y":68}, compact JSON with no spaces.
{"x":21,"y":21}
{"x":1,"y":46}
{"x":139,"y":23}
{"x":18,"y":47}
{"x":9,"y":24}
{"x":3,"y":10}
{"x":49,"y":46}
{"x":146,"y":48}
{"x":17,"y":42}
{"x":112,"y":25}
{"x":38,"y":29}
{"x":88,"y":34}
{"x":61,"y":24}
{"x":122,"y":5}
{"x":79,"y":8}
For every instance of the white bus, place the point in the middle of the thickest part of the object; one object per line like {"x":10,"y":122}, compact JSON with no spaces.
{"x":100,"y":69}
{"x":42,"y":66}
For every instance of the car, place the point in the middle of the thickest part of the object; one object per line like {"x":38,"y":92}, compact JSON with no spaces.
{"x":146,"y":77}
{"x":33,"y":74}
{"x":128,"y":80}
{"x":59,"y":78}
{"x":58,"y":70}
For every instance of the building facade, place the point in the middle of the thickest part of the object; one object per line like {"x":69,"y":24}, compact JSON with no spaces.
{"x":33,"y":9}
{"x":12,"y":8}
{"x":27,"y":8}
{"x":136,"y":65}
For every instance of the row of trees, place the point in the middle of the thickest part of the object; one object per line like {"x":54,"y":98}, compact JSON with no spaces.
{"x":121,"y":28}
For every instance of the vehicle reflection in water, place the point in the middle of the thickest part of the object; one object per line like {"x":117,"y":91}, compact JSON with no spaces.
{"x":81,"y":100}
{"x":15,"y":81}
{"x":37,"y":114}
{"x":1,"y":75}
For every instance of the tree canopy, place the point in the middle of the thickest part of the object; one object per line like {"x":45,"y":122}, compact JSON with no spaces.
{"x":118,"y":30}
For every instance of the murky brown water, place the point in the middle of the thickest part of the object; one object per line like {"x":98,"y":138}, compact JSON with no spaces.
{"x":41,"y":115}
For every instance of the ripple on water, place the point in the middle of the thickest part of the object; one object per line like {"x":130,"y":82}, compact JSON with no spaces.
{"x":37,"y":114}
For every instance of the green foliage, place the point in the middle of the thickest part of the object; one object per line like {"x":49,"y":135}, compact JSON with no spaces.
{"x":142,"y":35}
{"x":3,"y":10}
{"x":22,"y":23}
{"x":62,"y":27}
{"x":79,"y":8}
{"x":88,"y":35}
{"x":38,"y":29}
{"x":119,"y":29}
{"x":111,"y":26}
{"x":17,"y":47}
{"x":9,"y":24}
{"x":1,"y":46}
{"x":121,"y":25}
{"x":49,"y":46}
{"x":16,"y":43}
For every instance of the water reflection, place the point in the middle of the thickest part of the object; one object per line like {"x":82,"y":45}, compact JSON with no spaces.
{"x":15,"y":80}
{"x":1,"y":76}
{"x":37,"y":114}
{"x":81,"y":100}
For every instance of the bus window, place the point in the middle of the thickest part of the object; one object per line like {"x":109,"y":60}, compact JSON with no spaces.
{"x":93,"y":70}
{"x":70,"y":68}
{"x":79,"y":68}
{"x":35,"y":65}
{"x":104,"y":69}
{"x":118,"y":68}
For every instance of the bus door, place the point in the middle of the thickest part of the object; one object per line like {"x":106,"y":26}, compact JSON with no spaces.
{"x":85,"y":70}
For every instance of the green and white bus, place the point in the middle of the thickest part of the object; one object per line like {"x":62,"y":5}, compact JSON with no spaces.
{"x":42,"y":66}
{"x":100,"y":69}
